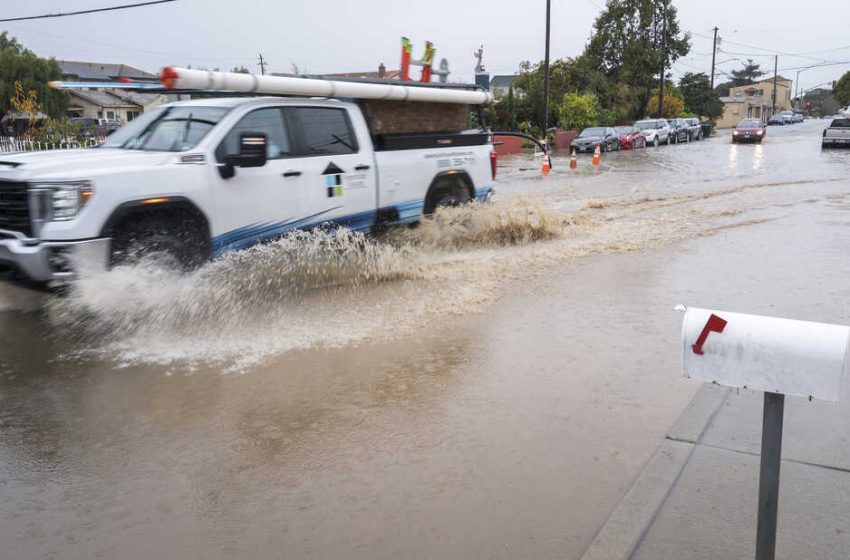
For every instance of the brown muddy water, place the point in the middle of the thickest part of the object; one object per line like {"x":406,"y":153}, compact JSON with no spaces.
{"x":485,"y":386}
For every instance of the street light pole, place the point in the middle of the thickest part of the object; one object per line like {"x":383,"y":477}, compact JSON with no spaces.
{"x":546,"y":73}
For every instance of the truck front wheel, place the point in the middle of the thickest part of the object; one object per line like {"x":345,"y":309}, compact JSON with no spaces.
{"x":176,"y":236}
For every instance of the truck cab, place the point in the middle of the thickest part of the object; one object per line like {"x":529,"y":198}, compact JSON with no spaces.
{"x":199,"y":178}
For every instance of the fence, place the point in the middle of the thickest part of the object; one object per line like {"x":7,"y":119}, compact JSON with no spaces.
{"x":9,"y":144}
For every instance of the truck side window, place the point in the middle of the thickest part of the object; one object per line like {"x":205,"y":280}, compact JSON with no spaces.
{"x":325,"y":131}
{"x":270,"y":121}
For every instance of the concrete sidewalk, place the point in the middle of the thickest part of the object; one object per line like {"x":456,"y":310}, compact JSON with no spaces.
{"x":697,"y":496}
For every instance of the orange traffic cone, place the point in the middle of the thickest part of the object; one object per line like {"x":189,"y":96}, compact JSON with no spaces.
{"x":574,"y":161}
{"x":547,"y":164}
{"x":597,"y":155}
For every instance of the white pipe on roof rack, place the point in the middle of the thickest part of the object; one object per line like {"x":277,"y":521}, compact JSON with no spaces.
{"x":186,"y":78}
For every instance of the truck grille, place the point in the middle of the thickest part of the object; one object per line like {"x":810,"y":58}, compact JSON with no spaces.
{"x":14,"y":207}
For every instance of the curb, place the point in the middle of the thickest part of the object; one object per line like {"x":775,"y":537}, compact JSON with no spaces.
{"x":625,"y":529}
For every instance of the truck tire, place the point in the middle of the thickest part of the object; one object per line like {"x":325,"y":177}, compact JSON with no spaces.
{"x":447,"y":191}
{"x":655,"y":142}
{"x":177,"y":235}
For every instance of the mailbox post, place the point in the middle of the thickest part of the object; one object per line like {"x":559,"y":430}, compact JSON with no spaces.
{"x":778,"y":356}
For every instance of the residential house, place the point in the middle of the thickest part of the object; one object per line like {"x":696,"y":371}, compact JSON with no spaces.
{"x":755,"y":101}
{"x":101,"y":103}
{"x":501,"y":84}
{"x":112,"y":104}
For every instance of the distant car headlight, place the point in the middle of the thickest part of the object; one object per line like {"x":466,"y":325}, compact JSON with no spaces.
{"x":65,"y":200}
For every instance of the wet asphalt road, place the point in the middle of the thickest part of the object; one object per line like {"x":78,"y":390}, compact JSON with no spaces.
{"x":496,"y":400}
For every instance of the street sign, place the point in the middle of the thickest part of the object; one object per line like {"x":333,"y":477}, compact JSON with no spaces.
{"x":784,"y":356}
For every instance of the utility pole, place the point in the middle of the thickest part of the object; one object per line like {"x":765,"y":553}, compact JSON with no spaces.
{"x":775,"y":70}
{"x":262,"y":64}
{"x":663,"y":61}
{"x":546,"y":73}
{"x":713,"y":56}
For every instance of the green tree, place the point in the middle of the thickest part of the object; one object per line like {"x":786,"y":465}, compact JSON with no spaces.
{"x":698,"y":96}
{"x":627,"y":47}
{"x":565,"y":75}
{"x":674,"y":105}
{"x":722,"y":90}
{"x":579,"y":111}
{"x":18,"y":64}
{"x":746,"y":75}
{"x":841,"y":91}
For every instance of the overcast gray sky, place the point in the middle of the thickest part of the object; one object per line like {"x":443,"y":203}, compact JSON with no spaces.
{"x":323,"y":36}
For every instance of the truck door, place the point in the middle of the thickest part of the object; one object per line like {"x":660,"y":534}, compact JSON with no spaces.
{"x":337,"y":171}
{"x":257,"y":203}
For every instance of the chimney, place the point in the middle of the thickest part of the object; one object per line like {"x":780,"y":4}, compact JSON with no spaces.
{"x":382,"y":70}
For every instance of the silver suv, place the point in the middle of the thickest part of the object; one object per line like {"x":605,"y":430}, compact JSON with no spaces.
{"x":656,"y":131}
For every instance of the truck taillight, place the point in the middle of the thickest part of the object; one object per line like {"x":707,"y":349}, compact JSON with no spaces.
{"x":493,"y":161}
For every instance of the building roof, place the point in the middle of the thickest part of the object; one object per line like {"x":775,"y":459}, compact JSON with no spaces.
{"x":99,"y":71}
{"x":101,"y":98}
{"x":136,"y":97}
{"x":503,"y":81}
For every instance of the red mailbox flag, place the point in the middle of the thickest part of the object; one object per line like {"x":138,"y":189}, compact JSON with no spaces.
{"x":715,"y":324}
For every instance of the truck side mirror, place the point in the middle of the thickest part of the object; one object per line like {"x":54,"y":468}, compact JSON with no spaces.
{"x":252,"y":150}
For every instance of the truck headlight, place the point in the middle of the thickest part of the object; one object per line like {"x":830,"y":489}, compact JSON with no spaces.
{"x":65,"y":200}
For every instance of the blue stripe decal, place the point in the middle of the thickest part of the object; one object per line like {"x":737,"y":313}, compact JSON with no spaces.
{"x":240,"y":238}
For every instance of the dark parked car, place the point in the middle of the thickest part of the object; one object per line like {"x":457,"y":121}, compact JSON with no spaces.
{"x":630,"y":137}
{"x":776,"y":120}
{"x":603,"y":136}
{"x":748,"y":130}
{"x":680,"y":131}
{"x":695,"y":128}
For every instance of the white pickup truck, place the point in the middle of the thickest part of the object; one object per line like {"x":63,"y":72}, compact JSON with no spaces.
{"x":199,"y":178}
{"x":838,"y":134}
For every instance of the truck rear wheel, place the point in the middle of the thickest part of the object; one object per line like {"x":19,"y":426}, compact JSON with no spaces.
{"x":177,"y":236}
{"x":447,"y":191}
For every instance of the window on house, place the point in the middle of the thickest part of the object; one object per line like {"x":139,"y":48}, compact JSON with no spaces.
{"x":110,"y":114}
{"x":132,"y":115}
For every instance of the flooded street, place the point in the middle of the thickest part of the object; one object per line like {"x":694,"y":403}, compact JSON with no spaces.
{"x":488,"y":385}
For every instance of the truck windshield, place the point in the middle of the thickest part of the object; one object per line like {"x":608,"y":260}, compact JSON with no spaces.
{"x":167,"y":129}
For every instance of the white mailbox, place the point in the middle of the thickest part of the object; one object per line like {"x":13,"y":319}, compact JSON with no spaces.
{"x":765,"y":353}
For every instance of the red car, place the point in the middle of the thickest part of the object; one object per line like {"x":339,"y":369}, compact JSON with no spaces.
{"x":630,"y":137}
{"x":748,"y":130}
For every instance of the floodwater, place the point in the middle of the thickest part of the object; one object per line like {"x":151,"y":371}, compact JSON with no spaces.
{"x":488,"y":385}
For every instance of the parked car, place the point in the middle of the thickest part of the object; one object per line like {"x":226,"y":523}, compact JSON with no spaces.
{"x":656,"y":131}
{"x":776,"y":120}
{"x":695,"y":128}
{"x":838,"y":134}
{"x":603,"y":136}
{"x":631,"y":137}
{"x":748,"y":130}
{"x":680,"y":131}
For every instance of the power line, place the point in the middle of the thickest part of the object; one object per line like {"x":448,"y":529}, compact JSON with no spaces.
{"x":92,"y":11}
{"x":771,"y":52}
